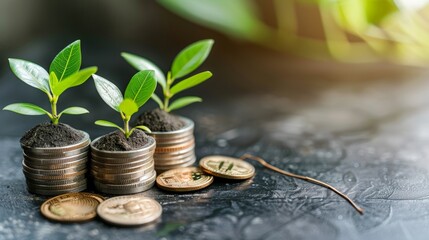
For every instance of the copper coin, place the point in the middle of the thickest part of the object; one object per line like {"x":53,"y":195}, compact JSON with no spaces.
{"x":129,"y":210}
{"x":184,"y":179}
{"x":71,"y":207}
{"x":227,"y":167}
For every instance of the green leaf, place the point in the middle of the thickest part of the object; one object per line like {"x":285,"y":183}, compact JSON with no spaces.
{"x":74,"y":111}
{"x":67,"y":61}
{"x":237,"y":18}
{"x":191,"y":58}
{"x":143,"y":64}
{"x":26,"y":109}
{"x":128,"y":107}
{"x":144,"y":128}
{"x":53,"y":80}
{"x":190,"y":82}
{"x":182,"y":102}
{"x":108,"y":91}
{"x":141,"y":87}
{"x":73,"y":80}
{"x":105,"y":123}
{"x":157,"y":100}
{"x":30,"y":73}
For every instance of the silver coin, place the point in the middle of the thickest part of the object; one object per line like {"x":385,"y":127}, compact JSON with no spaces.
{"x":174,"y":141}
{"x":57,"y":155}
{"x":126,"y":188}
{"x":56,"y":172}
{"x":60,"y":160}
{"x":118,"y":177}
{"x":124,"y":154}
{"x":53,"y":177}
{"x":56,"y":192}
{"x":187,"y":164}
{"x":56,"y":187}
{"x":174,"y":157}
{"x":115,"y":160}
{"x":174,"y":163}
{"x":125,"y":165}
{"x":57,"y":166}
{"x":56,"y":182}
{"x":117,"y":170}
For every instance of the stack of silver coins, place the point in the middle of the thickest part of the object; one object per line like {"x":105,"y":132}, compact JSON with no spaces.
{"x":56,"y":170}
{"x":123,"y":172}
{"x":175,"y":149}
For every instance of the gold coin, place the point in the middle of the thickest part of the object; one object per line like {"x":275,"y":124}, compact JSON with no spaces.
{"x":71,"y":207}
{"x":227,"y":167}
{"x":129,"y":210}
{"x":183,"y":179}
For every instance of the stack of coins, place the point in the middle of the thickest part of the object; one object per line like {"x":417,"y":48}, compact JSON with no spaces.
{"x":175,"y":149}
{"x":56,"y":170}
{"x":123,"y":172}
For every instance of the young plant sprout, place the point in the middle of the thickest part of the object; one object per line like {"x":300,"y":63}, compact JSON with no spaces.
{"x":64,"y":73}
{"x":184,"y":63}
{"x":139,"y":90}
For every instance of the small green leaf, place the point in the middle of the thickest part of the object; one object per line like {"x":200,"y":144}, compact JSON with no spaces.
{"x":191,"y":58}
{"x":157,"y":100}
{"x":30,"y":73}
{"x":182,"y":102}
{"x":144,"y":128}
{"x":105,"y":123}
{"x":73,"y":80}
{"x":128,"y":107}
{"x":53,"y":80}
{"x":26,"y":109}
{"x":190,"y":82}
{"x":143,"y":64}
{"x":67,"y":61}
{"x":141,"y":87}
{"x":108,"y":91}
{"x":74,"y":111}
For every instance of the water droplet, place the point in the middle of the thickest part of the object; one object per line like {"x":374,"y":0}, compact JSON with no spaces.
{"x":222,"y":143}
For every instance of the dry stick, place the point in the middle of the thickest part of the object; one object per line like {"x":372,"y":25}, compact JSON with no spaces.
{"x":308,"y":179}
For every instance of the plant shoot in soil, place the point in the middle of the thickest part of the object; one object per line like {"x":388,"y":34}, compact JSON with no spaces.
{"x":64,"y":73}
{"x":184,"y":63}
{"x":139,"y":90}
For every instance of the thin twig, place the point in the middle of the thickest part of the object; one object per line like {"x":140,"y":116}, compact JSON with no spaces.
{"x":308,"y":179}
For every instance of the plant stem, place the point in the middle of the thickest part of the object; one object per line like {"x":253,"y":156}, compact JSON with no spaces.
{"x":55,"y":117}
{"x":127,"y":127}
{"x":305,"y":178}
{"x":167,"y":92}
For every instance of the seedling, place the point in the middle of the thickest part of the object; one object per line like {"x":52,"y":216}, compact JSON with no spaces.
{"x":139,"y":90}
{"x":64,"y":74}
{"x":184,"y":63}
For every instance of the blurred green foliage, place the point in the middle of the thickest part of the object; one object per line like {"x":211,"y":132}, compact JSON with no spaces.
{"x":354,"y":30}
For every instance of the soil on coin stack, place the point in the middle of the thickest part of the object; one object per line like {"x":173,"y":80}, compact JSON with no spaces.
{"x":116,"y":141}
{"x":158,"y":120}
{"x":47,"y":135}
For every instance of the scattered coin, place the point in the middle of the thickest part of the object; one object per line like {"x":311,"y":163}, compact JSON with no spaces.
{"x":130,"y":210}
{"x":183,"y":179}
{"x":71,"y":207}
{"x":227,"y":167}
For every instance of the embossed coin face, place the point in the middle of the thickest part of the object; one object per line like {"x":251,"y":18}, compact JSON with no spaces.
{"x":129,"y":210}
{"x":227,"y":167}
{"x":71,"y":207}
{"x":183,"y":179}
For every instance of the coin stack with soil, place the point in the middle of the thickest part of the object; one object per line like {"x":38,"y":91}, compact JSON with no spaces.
{"x":174,"y":135}
{"x":121,"y":165}
{"x":55,"y":159}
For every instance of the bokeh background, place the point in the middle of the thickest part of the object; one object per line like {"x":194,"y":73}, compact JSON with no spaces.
{"x":295,"y":50}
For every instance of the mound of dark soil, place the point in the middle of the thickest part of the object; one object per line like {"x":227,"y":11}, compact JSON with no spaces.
{"x":50,"y":135}
{"x":116,"y":141}
{"x":158,"y":120}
